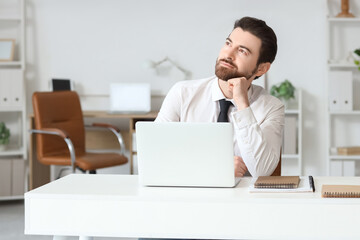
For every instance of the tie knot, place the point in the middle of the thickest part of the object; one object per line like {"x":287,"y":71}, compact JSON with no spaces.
{"x":224,"y":105}
{"x":224,"y":108}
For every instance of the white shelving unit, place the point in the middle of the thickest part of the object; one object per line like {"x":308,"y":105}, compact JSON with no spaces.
{"x":342,"y":38}
{"x":13,"y":102}
{"x":288,"y":159}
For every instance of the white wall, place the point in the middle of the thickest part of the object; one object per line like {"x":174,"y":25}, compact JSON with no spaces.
{"x":95,"y":42}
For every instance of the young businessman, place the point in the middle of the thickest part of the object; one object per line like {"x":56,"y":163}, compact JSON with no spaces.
{"x":257,"y":117}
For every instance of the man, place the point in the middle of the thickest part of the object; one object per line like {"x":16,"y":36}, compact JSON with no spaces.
{"x":257,"y":117}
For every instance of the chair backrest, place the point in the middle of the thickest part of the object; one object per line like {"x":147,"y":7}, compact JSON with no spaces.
{"x":277,"y":171}
{"x":60,"y":110}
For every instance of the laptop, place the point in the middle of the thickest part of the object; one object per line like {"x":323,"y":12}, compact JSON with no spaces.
{"x":185,"y":154}
{"x":130,"y":98}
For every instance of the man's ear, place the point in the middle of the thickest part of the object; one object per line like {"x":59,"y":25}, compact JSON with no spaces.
{"x":263,"y":68}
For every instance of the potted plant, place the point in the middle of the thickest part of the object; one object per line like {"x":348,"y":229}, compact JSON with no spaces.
{"x":4,"y":136}
{"x":357,"y":60}
{"x":284,"y":91}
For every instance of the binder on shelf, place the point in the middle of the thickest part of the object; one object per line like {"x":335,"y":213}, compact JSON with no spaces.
{"x":340,"y":191}
{"x":277,"y":182}
{"x":339,"y":167}
{"x":11,"y":88}
{"x":289,"y":140}
{"x":348,"y":150}
{"x":340,"y":91}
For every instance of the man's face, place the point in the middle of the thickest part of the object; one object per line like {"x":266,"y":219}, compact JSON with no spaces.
{"x":238,"y":57}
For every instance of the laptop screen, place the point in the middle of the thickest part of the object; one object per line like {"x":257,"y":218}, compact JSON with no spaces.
{"x":185,"y":154}
{"x":61,"y":84}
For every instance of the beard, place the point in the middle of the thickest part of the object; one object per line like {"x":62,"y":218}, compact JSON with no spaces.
{"x":225,"y":74}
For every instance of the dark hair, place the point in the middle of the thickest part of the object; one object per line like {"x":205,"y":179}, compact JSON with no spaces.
{"x":267,"y":36}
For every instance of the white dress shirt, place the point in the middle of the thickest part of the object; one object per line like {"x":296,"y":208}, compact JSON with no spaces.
{"x":257,"y":129}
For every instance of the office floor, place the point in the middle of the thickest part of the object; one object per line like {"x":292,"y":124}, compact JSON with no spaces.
{"x":12,"y":223}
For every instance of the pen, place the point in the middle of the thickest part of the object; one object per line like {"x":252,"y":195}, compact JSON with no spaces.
{"x":311,"y":180}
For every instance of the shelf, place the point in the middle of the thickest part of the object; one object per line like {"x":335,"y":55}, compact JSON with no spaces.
{"x":13,"y":63}
{"x":10,"y":18}
{"x":356,"y":112}
{"x":290,"y":156}
{"x":11,"y":151}
{"x":335,"y":19}
{"x":344,"y":157}
{"x":292,"y":135}
{"x":341,"y":34}
{"x":6,"y":198}
{"x":11,"y":109}
{"x":343,"y":65}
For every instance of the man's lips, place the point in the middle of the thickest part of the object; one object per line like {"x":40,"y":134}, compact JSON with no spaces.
{"x":226,"y":64}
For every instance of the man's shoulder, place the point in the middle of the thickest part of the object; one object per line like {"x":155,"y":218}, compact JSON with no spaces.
{"x":260,"y":93}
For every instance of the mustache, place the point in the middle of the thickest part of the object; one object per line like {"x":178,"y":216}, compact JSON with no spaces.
{"x":228,"y":61}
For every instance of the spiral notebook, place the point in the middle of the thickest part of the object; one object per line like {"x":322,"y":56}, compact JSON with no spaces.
{"x":306,"y":184}
{"x":277,"y":182}
{"x":340,"y":191}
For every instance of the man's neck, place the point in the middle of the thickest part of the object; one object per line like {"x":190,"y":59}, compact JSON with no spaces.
{"x":224,"y":87}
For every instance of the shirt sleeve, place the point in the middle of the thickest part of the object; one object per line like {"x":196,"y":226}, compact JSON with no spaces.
{"x":171,"y":107}
{"x":259,"y":143}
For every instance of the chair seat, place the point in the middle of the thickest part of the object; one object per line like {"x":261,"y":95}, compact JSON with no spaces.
{"x":87,"y":161}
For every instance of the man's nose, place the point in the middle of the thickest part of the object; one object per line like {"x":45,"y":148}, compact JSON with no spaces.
{"x":230,"y":53}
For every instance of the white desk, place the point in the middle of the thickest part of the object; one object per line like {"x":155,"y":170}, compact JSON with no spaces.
{"x":116,"y":206}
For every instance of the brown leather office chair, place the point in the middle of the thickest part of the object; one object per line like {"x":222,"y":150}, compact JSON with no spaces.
{"x":61,"y":133}
{"x":277,"y":171}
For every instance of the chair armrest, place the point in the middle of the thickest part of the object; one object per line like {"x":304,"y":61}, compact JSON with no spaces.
{"x":114,"y":130}
{"x":62,"y":134}
{"x":53,"y":131}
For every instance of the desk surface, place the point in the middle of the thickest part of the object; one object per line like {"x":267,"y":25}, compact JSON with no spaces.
{"x":116,"y":206}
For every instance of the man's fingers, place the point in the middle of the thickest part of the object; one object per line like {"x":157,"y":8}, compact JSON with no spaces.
{"x":243,"y":167}
{"x":240,"y":167}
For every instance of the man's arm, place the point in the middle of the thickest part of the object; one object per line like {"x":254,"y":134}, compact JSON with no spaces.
{"x":259,"y":143}
{"x":170,"y":108}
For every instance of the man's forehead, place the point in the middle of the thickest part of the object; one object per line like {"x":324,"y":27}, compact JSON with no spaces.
{"x":240,"y":37}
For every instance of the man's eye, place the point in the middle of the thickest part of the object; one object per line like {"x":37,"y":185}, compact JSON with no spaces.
{"x":227,"y":43}
{"x":243,"y":51}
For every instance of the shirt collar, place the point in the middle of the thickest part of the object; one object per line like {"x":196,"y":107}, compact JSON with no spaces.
{"x":217,"y":93}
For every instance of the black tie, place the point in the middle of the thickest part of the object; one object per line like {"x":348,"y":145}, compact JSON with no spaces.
{"x":224,"y":109}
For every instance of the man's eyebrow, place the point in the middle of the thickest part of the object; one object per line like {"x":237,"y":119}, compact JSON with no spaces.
{"x":242,"y":46}
{"x":245,"y":48}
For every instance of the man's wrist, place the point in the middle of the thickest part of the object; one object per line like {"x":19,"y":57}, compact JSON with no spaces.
{"x":242,"y":104}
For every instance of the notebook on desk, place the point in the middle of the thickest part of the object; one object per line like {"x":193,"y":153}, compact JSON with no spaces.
{"x":185,"y":154}
{"x":277,"y":182}
{"x":340,"y":191}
